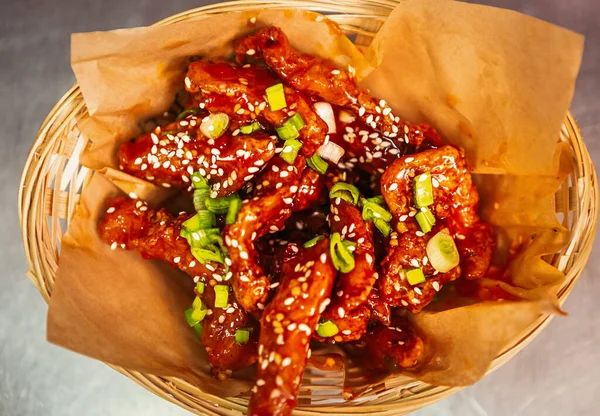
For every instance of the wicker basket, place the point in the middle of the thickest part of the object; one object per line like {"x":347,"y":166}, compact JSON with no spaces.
{"x":53,"y":179}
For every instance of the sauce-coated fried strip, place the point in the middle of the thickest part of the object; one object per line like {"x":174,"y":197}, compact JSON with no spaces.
{"x":380,"y":310}
{"x":169,"y":159}
{"x":265,"y":213}
{"x":405,"y":251}
{"x":240,"y":92}
{"x":398,"y":345}
{"x":352,"y":326}
{"x":286,"y":329}
{"x":455,"y":201}
{"x":129,"y":224}
{"x":319,"y":77}
{"x":353,"y":288}
{"x":454,"y":194}
{"x":218,"y":335}
{"x":312,"y":191}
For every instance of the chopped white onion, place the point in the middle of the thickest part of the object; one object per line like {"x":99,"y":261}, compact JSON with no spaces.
{"x":325,"y":111}
{"x":346,"y":117}
{"x":331,"y":151}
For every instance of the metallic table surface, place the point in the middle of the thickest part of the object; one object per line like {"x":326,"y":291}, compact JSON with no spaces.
{"x":557,"y":374}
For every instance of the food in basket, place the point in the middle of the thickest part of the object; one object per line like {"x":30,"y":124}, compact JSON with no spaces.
{"x":320,"y":216}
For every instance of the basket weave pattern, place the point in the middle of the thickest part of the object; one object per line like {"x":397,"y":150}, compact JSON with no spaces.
{"x":53,"y":179}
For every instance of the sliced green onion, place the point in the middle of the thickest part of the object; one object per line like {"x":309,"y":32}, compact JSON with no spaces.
{"x":207,"y":219}
{"x":313,"y":241}
{"x":218,"y":205}
{"x":342,"y":258}
{"x":327,"y":329}
{"x":345,"y":191}
{"x":383,"y":226}
{"x":200,"y":197}
{"x":188,"y":112}
{"x":197,"y":304}
{"x":290,"y":150}
{"x":423,"y":190}
{"x":205,"y":239}
{"x":276,"y":97}
{"x":250,"y":128}
{"x":287,"y":132}
{"x":198,"y":329}
{"x":414,"y":276}
{"x":242,"y":336}
{"x":204,"y":256}
{"x":214,"y":125}
{"x":195,"y":316}
{"x":442,"y":252}
{"x":234,"y":207}
{"x":297,"y":121}
{"x":379,"y":200}
{"x":425,"y":219}
{"x":199,"y":181}
{"x":200,"y":288}
{"x":348,"y":243}
{"x":192,"y":224}
{"x":372,"y":211}
{"x":317,"y":163}
{"x":221,"y":296}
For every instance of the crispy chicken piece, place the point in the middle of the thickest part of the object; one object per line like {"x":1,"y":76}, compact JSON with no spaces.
{"x":398,"y":345}
{"x":265,"y":213}
{"x":380,"y":310}
{"x":169,"y":159}
{"x":352,"y":288}
{"x":218,"y":335}
{"x":406,"y":251}
{"x":455,"y":201}
{"x":286,"y":329}
{"x":131,"y":225}
{"x":319,"y":77}
{"x":312,"y":192}
{"x":240,"y":92}
{"x":351,"y":326}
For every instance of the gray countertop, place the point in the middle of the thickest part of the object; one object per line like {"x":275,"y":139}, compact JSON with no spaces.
{"x":557,"y":374}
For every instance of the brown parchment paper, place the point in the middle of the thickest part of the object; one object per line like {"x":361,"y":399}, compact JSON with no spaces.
{"x":492,"y":81}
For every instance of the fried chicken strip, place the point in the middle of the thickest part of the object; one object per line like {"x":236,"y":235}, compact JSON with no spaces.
{"x":129,"y":224}
{"x":169,"y":157}
{"x":262,"y":214}
{"x":240,"y":92}
{"x":286,"y":329}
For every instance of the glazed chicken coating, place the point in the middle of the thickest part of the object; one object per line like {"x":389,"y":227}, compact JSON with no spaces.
{"x":170,"y":159}
{"x":398,"y":345}
{"x":351,"y":326}
{"x":312,"y":191}
{"x":405,"y":251}
{"x":319,"y":77}
{"x":455,"y":201}
{"x":131,"y":225}
{"x":262,"y":214}
{"x":286,"y":329}
{"x":240,"y":93}
{"x":353,"y":288}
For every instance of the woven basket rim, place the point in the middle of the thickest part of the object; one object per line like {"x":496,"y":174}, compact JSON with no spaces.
{"x":177,"y":391}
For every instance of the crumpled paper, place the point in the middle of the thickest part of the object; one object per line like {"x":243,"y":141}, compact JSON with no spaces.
{"x":492,"y":81}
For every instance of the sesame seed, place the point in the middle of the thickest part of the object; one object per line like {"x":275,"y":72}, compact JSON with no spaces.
{"x":188,"y":83}
{"x":409,"y":159}
{"x":288,"y":301}
{"x":221,"y":319}
{"x":419,"y":234}
{"x":323,"y":258}
{"x":253,"y":169}
{"x":110,"y":210}
{"x":244,"y":255}
{"x":250,"y":52}
{"x":341,"y":312}
{"x":436,"y":286}
{"x":133,"y":195}
{"x":335,"y":72}
{"x":176,"y":260}
{"x":113,"y":246}
{"x":346,"y":332}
